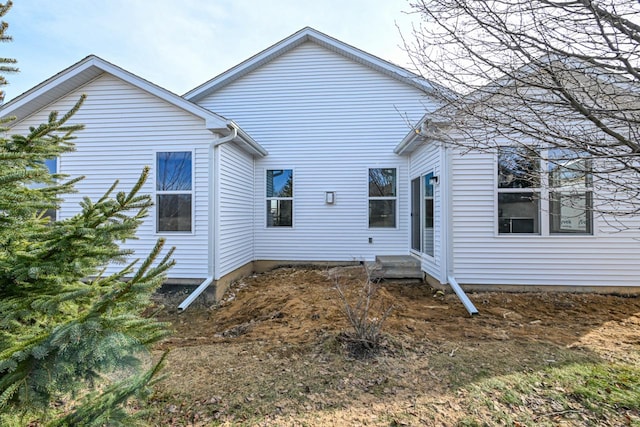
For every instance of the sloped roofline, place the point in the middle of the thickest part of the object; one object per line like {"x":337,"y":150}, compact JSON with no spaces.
{"x":88,"y":69}
{"x":304,"y":35}
{"x":92,"y":67}
{"x":427,"y":128}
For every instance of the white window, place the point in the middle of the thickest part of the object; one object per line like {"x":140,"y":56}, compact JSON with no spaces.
{"x":279,"y":198}
{"x":382,"y":197}
{"x":52,"y":165}
{"x":525,"y":195}
{"x":428,"y":233}
{"x":570,"y":192}
{"x":518,"y":191}
{"x":174,"y":191}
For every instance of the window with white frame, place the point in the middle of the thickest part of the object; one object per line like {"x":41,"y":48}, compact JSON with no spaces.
{"x":518,"y":191}
{"x":526,"y":195}
{"x":570,"y":192}
{"x":279,"y":198}
{"x":428,"y":233}
{"x":382,"y":197}
{"x":52,"y":165}
{"x":174,"y":191}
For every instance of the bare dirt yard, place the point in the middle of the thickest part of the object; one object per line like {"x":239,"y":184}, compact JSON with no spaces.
{"x":271,"y":354}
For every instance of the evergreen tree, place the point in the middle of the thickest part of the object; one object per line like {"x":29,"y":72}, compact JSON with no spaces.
{"x":69,"y":333}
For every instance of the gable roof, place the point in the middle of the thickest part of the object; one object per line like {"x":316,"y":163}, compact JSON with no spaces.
{"x":92,"y":67}
{"x":88,"y":69}
{"x":432,"y":126}
{"x":425,"y":130}
{"x":308,"y":34}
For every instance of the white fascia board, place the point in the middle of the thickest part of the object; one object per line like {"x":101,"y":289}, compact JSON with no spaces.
{"x":371,"y":61}
{"x":251,"y":144}
{"x":424,"y":130}
{"x":309,"y":34}
{"x":243,"y":139}
{"x":212,"y":120}
{"x":88,"y":69}
{"x":83,"y":72}
{"x":408,"y":143}
{"x":245,"y":67}
{"x":411,"y":140}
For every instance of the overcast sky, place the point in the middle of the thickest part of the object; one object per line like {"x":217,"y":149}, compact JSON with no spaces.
{"x":181,"y":44}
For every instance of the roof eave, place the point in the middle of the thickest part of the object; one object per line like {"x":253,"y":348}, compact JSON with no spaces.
{"x":424,"y":130}
{"x":408,"y":143}
{"x":243,"y":139}
{"x":88,"y":69}
{"x":251,"y":144}
{"x":308,"y":34}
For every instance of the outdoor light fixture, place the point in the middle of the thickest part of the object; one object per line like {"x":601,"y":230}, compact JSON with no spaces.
{"x":433,"y":180}
{"x":330,"y":197}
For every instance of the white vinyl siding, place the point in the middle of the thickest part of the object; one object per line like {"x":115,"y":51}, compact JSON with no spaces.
{"x":425,"y":159}
{"x":235,"y":246}
{"x":329,"y":119}
{"x":124,"y":127}
{"x":481,"y":256}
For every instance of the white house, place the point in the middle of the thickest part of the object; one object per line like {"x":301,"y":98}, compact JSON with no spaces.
{"x":306,"y":153}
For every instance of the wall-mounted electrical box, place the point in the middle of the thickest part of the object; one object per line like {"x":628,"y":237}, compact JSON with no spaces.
{"x":330,"y":197}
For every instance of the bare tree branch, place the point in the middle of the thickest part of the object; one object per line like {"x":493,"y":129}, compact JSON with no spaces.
{"x":543,"y":74}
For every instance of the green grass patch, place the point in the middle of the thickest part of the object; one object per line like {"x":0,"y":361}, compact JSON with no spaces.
{"x":580,"y":393}
{"x":610,"y":385}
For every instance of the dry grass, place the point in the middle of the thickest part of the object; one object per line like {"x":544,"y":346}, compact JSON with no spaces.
{"x":270,"y":356}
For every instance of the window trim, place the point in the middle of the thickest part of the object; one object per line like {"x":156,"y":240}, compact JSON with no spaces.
{"x":544,"y":203}
{"x":533,"y":191}
{"x":56,"y":212}
{"x":423,"y":201}
{"x":267,"y":199}
{"x":588,"y":195}
{"x":157,"y":192}
{"x":394,"y":198}
{"x":584,"y":189}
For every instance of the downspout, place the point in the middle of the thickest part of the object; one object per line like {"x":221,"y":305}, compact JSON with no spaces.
{"x":447,"y":268}
{"x":195,"y":294}
{"x":462,"y":296}
{"x":213,"y":224}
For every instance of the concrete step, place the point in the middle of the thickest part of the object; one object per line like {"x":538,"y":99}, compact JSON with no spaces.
{"x":392,"y":261}
{"x":395,"y":267}
{"x":401,"y":273}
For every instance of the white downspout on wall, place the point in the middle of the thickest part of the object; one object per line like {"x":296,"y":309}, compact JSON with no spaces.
{"x":447,"y":230}
{"x":213,"y":218}
{"x":444,"y":215}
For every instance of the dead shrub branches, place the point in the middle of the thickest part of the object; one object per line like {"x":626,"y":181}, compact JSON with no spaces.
{"x":366,"y":313}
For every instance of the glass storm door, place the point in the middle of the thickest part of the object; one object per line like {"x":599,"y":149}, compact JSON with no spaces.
{"x":427,"y":215}
{"x":415,"y":215}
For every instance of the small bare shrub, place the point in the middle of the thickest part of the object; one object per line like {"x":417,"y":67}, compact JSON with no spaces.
{"x":366,"y":314}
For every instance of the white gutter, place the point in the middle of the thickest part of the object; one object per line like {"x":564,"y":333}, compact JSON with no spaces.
{"x":425,"y":129}
{"x":253,"y":147}
{"x":232,"y":135}
{"x":213,"y":232}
